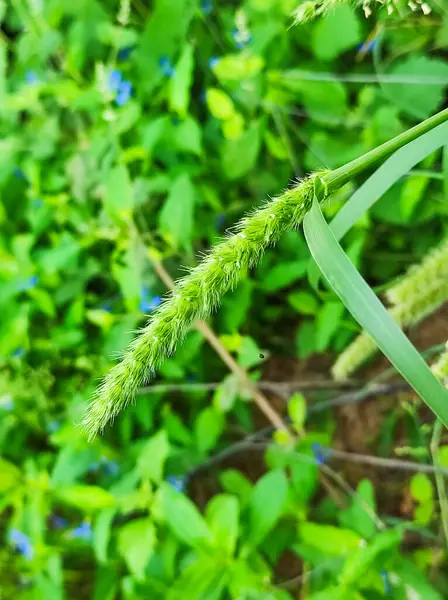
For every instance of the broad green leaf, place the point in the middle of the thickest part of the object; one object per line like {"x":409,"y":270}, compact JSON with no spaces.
{"x":239,"y":156}
{"x":223,"y":519}
{"x":119,"y":196}
{"x":205,"y":579}
{"x":356,"y":516}
{"x":136,"y":543}
{"x":282,"y":275}
{"x":390,"y":171}
{"x":9,"y":476}
{"x":266,"y":504}
{"x":187,"y":136}
{"x":418,"y":100}
{"x":297,"y":410}
{"x":183,"y":518}
{"x":414,"y":580}
{"x":152,"y":457}
{"x":220,"y":104}
{"x":236,"y":483}
{"x":102,"y":532}
{"x":180,"y":83}
{"x":208,"y":426}
{"x":365,"y":307}
{"x":358,"y":563}
{"x":176,"y":216}
{"x":329,"y":539}
{"x":303,"y":302}
{"x":235,"y":67}
{"x":335,"y":33}
{"x":328,"y":323}
{"x":87,"y":498}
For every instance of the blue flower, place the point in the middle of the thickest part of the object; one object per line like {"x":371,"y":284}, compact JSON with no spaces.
{"x":241,"y":38}
{"x":19,"y":174}
{"x":386,"y":582}
{"x":18,"y":353}
{"x":110,"y":467}
{"x":6,"y":403}
{"x":318,"y":452}
{"x":58,"y":522}
{"x":124,"y":53}
{"x":83,"y":531}
{"x":31,"y":77}
{"x":206,"y":7}
{"x":213,"y":61}
{"x":124,"y":93}
{"x":148,"y":304}
{"x":30,"y":283}
{"x":166,"y":66}
{"x":177,"y":482}
{"x":21,"y":543}
{"x":53,"y":426}
{"x":368,"y":46}
{"x":220,"y":220}
{"x":115,"y":79}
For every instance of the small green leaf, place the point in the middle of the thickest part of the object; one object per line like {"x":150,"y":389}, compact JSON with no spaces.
{"x":102,"y":532}
{"x":119,"y":196}
{"x":220,"y":104}
{"x":303,"y":302}
{"x":297,"y":411}
{"x":180,"y":82}
{"x":239,"y":156}
{"x":183,"y":518}
{"x":282,"y":275}
{"x":88,"y":498}
{"x":223,"y":519}
{"x":153,"y":455}
{"x":266,"y":504}
{"x":176,"y":216}
{"x":335,"y":33}
{"x":136,"y":543}
{"x":207,"y":428}
{"x":329,"y":539}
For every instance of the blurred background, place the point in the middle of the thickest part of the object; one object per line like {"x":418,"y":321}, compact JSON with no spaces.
{"x":133,"y":135}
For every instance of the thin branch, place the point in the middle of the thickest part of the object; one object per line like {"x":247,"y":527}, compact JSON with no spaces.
{"x":259,"y":398}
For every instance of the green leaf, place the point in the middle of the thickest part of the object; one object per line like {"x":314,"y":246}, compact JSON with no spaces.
{"x":9,"y":476}
{"x":283,"y":274}
{"x":303,"y":302}
{"x":119,"y":196}
{"x":136,"y":543}
{"x":102,"y":532}
{"x":266,"y":505}
{"x":176,"y":216}
{"x":223,"y":519}
{"x":153,"y":455}
{"x":365,"y":307}
{"x":414,"y":579}
{"x":360,"y":561}
{"x":328,"y":323}
{"x":335,"y":33}
{"x":180,"y":83}
{"x":328,"y":539}
{"x":235,"y":67}
{"x":297,"y":410}
{"x":418,"y":100}
{"x":208,"y":426}
{"x":87,"y":498}
{"x":183,"y":518}
{"x":356,"y":517}
{"x":239,"y":156}
{"x":219,"y":104}
{"x":385,"y":176}
{"x":236,"y":483}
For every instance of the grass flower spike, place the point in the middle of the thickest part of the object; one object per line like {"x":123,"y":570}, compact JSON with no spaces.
{"x":440,"y":367}
{"x":196,"y":296}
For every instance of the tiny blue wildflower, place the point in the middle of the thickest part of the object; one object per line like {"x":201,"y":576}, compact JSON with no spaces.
{"x":206,"y":7}
{"x":148,"y":304}
{"x":6,"y":403}
{"x":110,"y":467}
{"x":124,"y":53}
{"x":124,"y":93}
{"x":31,"y":77}
{"x":18,"y":353}
{"x":21,"y":543}
{"x":94,"y":467}
{"x":368,"y":46}
{"x":318,"y":453}
{"x":241,"y":38}
{"x":53,"y":426}
{"x":37,"y":203}
{"x":220,"y":220}
{"x":166,"y":66}
{"x":83,"y":531}
{"x":28,"y":284}
{"x":58,"y":522}
{"x":115,"y":79}
{"x":19,"y":174}
{"x":213,"y":61}
{"x":386,"y":582}
{"x":176,"y":482}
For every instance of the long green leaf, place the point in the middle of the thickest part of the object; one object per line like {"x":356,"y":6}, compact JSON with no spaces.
{"x":366,"y":308}
{"x":392,"y":169}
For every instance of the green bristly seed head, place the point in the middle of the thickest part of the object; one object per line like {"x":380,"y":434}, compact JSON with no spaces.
{"x":440,"y":367}
{"x":196,"y":297}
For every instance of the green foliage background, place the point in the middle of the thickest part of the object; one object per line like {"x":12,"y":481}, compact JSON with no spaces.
{"x":100,"y":180}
